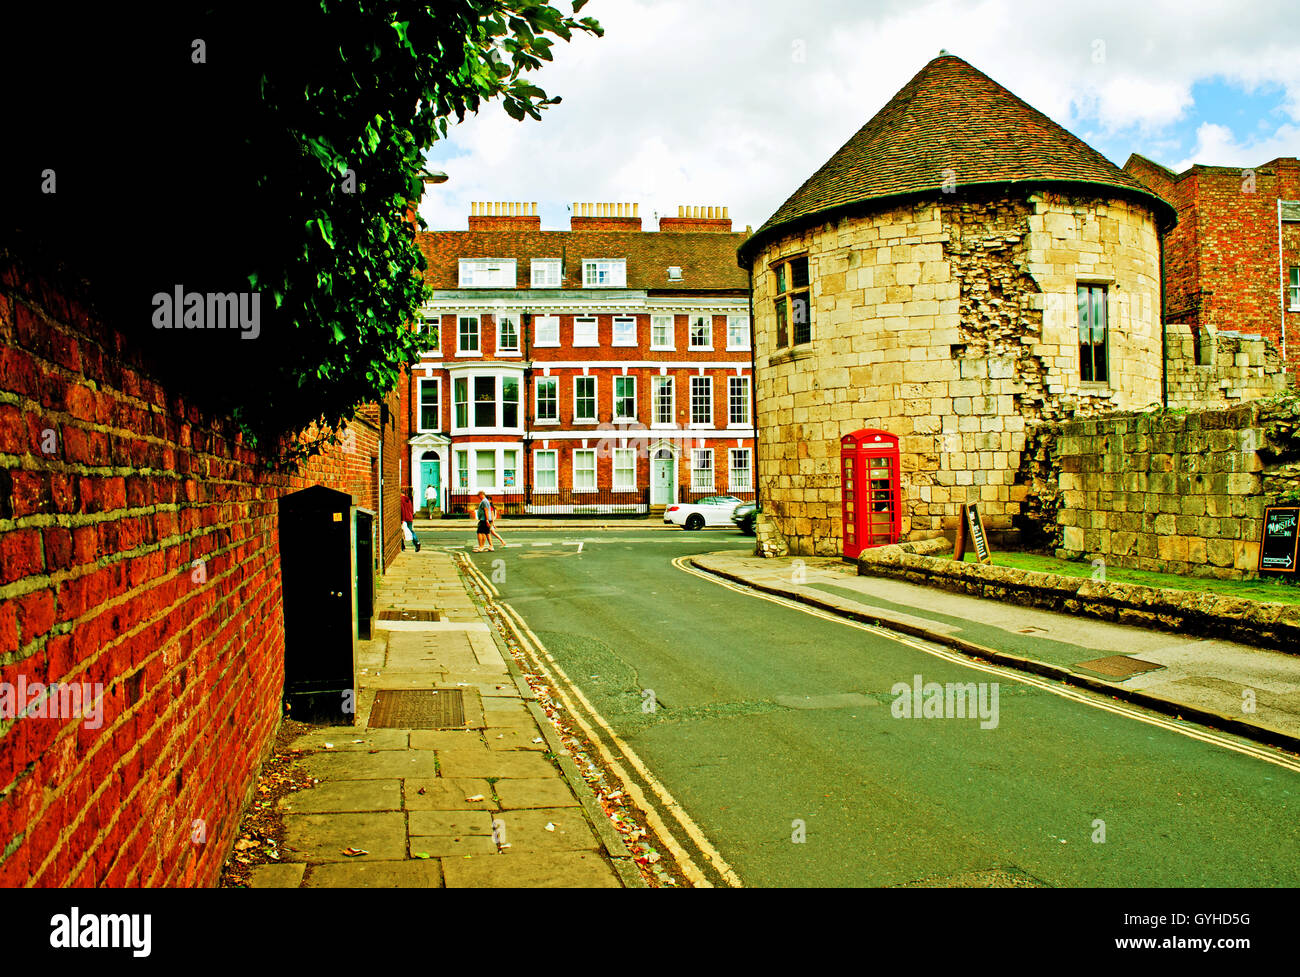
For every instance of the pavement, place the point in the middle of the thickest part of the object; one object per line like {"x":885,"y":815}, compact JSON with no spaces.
{"x":1248,"y":691}
{"x":480,"y":805}
{"x":583,"y":524}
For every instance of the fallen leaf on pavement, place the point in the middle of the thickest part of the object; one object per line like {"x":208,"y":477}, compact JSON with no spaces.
{"x":475,"y":798}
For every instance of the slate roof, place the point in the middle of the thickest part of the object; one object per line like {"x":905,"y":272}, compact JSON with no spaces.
{"x":707,"y":258}
{"x":952,"y":116}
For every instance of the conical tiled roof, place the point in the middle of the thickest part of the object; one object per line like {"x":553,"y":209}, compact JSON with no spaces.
{"x":952,"y":116}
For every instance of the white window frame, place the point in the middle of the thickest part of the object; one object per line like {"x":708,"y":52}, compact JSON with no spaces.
{"x":552,"y":323}
{"x":461,"y":350}
{"x":554,"y":471}
{"x":499,"y":376}
{"x":488,"y":273}
{"x":595,"y":477}
{"x":696,"y":469}
{"x":419,"y":404}
{"x":732,"y":322}
{"x":501,"y":468}
{"x":538,"y":382}
{"x":550,"y":273}
{"x":733,"y":484}
{"x":731,"y":401}
{"x":595,"y":400}
{"x":496,"y":468}
{"x":604,"y":272}
{"x":1295,"y":288}
{"x":708,"y":383}
{"x":422,"y":327}
{"x":625,"y":321}
{"x":656,"y":384}
{"x":462,"y":468}
{"x":660,"y":321}
{"x":509,"y":350}
{"x":628,"y":454}
{"x":585,"y":320}
{"x":617,"y":415}
{"x":708,"y":332}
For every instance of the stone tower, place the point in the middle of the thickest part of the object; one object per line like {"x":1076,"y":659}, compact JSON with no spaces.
{"x":959,"y":269}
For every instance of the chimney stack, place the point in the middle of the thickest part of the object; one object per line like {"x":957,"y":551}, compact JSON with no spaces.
{"x":503,"y":215}
{"x":697,"y":218}
{"x":605,"y":217}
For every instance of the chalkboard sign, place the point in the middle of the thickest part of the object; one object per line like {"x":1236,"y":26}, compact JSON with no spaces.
{"x":970,"y":532}
{"x":1278,"y":544}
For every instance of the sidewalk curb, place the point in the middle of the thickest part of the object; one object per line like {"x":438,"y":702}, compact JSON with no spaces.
{"x":1205,"y":717}
{"x":437,"y":525}
{"x":615,"y":850}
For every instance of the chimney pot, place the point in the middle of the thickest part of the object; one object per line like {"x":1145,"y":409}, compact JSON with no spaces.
{"x":681,"y":211}
{"x":636,"y":210}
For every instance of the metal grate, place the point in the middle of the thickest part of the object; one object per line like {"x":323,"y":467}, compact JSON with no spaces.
{"x":418,"y":709}
{"x":1118,"y":666}
{"x":409,"y":616}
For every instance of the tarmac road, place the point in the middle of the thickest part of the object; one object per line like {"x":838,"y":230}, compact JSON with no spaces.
{"x":773,"y":724}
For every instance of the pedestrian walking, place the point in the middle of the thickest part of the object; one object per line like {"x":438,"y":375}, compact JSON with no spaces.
{"x":408,"y":521}
{"x":483,"y":513}
{"x":430,"y":498}
{"x":492,"y":522}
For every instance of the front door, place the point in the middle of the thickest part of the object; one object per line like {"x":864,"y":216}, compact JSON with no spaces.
{"x":430,"y":474}
{"x":663,"y":478}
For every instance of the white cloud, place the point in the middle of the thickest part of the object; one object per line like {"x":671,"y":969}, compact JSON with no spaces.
{"x":737,"y":102}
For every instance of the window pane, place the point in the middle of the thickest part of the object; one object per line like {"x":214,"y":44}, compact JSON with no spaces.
{"x":468,"y":334}
{"x":801,"y":314}
{"x":547,"y":399}
{"x":701,"y":330}
{"x":780,"y":279}
{"x":462,"y":402}
{"x":799,"y":273}
{"x":663,"y":408}
{"x":462,"y":470}
{"x":545,"y":470}
{"x":585,"y":399}
{"x":782,"y":327}
{"x":429,"y":404}
{"x":508,"y":333}
{"x":701,"y":400}
{"x":738,"y":400}
{"x":485,"y":401}
{"x":547,"y":330}
{"x":485,"y":468}
{"x":584,"y":469}
{"x":509,"y":402}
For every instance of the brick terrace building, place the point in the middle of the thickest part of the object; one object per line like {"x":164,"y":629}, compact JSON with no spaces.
{"x":597,"y":369}
{"x":1232,"y":263}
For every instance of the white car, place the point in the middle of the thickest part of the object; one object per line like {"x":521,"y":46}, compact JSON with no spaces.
{"x":712,"y":510}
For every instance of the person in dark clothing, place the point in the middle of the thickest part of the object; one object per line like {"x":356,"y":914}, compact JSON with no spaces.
{"x":483,"y":513}
{"x":408,"y":521}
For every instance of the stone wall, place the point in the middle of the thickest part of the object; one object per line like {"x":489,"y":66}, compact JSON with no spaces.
{"x":951,"y":323}
{"x":1209,"y":369}
{"x":1172,"y":491}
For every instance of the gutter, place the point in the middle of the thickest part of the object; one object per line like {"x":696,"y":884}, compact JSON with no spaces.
{"x":1282,"y":283}
{"x":753,"y":385}
{"x":1164,"y":330}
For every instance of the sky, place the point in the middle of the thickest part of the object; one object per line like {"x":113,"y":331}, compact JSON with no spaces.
{"x":736,"y":102}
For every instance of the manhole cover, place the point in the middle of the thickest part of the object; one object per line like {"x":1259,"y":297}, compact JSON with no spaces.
{"x":409,"y":616}
{"x":418,"y":709}
{"x":1118,"y":666}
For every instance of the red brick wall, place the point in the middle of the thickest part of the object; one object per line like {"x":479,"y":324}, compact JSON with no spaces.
{"x":1221,"y":261}
{"x":111,"y":488}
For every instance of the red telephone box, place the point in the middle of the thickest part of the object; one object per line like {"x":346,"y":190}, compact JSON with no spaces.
{"x":869,"y":490}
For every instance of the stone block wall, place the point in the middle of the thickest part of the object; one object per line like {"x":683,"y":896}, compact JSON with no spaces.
{"x":1172,"y":491}
{"x":1209,"y":369}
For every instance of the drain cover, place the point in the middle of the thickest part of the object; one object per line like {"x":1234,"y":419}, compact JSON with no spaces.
{"x":1118,"y":666}
{"x":418,"y":709}
{"x":409,"y":616}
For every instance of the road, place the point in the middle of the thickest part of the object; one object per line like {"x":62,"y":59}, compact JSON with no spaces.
{"x":773,"y":725}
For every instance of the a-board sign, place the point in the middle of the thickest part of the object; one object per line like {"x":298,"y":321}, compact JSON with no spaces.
{"x":1280,"y":539}
{"x":970,"y":532}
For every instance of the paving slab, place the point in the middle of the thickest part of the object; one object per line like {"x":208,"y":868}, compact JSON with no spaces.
{"x":515,"y":794}
{"x":494,"y":763}
{"x":415,"y":873}
{"x":453,"y":846}
{"x":522,"y":870}
{"x":286,"y":875}
{"x":446,"y":739}
{"x":451,"y":823}
{"x":515,"y":738}
{"x":351,"y":738}
{"x":526,"y":830}
{"x":449,"y":794}
{"x":339,"y":796}
{"x":322,"y":837}
{"x":384,"y":765}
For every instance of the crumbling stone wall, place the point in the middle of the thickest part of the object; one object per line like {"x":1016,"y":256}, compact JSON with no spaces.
{"x":1174,"y":491}
{"x":1208,"y":369}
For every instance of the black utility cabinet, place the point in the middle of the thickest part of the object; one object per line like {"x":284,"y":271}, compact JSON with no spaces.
{"x":318,"y":570}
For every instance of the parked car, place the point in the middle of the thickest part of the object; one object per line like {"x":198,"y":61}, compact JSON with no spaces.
{"x":712,"y":510}
{"x":745,"y":516}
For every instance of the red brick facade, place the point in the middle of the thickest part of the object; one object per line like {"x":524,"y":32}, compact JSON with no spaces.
{"x":138,"y":554}
{"x":679,"y":312}
{"x":1222,"y":269}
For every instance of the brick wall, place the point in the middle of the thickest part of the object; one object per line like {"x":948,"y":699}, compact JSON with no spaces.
{"x":138,"y":553}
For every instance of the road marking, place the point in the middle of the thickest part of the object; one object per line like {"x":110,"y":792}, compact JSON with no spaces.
{"x":1065,"y":692}
{"x":540,"y":544}
{"x":666,"y":799}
